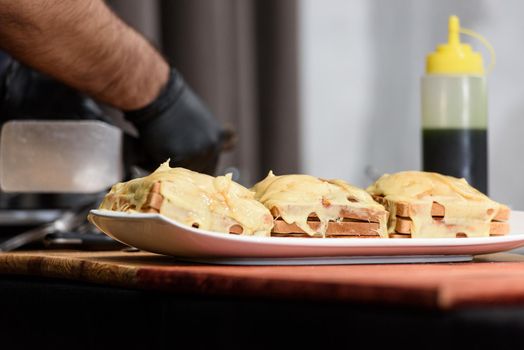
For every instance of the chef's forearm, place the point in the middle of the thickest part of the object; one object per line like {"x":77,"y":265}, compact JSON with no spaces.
{"x":83,"y":44}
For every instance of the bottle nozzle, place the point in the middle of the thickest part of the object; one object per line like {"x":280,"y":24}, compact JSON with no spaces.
{"x":454,"y":30}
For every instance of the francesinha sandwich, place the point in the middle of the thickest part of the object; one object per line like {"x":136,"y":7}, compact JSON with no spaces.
{"x":306,"y":206}
{"x":193,"y":199}
{"x":424,"y":205}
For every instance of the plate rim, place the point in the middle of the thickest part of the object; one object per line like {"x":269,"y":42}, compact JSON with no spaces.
{"x":297,"y":241}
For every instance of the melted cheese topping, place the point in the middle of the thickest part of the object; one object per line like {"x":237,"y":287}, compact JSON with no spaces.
{"x":298,"y":196}
{"x":467,"y":210}
{"x":191,"y":198}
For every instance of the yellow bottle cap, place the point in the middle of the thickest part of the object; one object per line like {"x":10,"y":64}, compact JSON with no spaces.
{"x":454,"y":57}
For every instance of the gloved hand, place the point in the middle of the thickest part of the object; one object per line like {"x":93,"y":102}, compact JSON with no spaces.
{"x":177,"y":125}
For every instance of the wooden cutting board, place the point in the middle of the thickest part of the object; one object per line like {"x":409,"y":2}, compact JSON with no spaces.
{"x":496,"y":279}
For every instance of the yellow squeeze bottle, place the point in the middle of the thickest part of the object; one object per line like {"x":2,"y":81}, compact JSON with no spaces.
{"x":454,"y":110}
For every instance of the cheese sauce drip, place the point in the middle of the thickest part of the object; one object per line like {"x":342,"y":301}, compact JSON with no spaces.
{"x":466,"y":210}
{"x":194,"y":199}
{"x":298,"y":196}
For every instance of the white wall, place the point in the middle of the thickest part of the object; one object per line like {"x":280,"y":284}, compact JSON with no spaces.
{"x":361,"y":62}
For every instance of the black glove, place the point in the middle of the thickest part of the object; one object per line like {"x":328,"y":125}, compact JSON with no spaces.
{"x":177,"y":125}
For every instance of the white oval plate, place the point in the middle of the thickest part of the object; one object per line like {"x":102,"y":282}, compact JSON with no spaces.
{"x":159,"y":234}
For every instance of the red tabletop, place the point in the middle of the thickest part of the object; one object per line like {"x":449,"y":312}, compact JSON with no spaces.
{"x":496,"y":279}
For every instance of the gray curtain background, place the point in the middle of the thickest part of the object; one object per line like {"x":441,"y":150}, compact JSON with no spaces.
{"x":240,"y":56}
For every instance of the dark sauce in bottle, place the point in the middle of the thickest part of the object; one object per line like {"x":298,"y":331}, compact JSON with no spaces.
{"x":459,"y":153}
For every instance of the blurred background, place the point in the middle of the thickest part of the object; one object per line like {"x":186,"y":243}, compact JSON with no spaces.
{"x":332,"y":87}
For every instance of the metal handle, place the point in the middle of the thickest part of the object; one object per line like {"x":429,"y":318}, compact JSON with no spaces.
{"x":27,"y":237}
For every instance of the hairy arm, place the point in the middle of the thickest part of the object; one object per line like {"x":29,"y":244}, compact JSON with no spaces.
{"x":83,"y":44}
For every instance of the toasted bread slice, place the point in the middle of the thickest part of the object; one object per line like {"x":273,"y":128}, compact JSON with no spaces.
{"x":498,"y":226}
{"x":154,"y":203}
{"x":334,"y":229}
{"x":352,"y":224}
{"x":362,"y":214}
{"x":403,"y":209}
